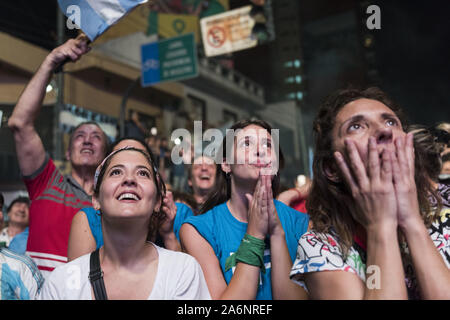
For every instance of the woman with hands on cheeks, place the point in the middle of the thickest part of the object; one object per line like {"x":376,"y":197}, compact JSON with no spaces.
{"x":369,"y":207}
{"x":244,"y":240}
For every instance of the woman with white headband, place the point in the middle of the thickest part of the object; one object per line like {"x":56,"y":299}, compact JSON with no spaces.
{"x":127,"y":193}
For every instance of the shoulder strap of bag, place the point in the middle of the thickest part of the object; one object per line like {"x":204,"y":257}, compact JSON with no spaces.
{"x":96,"y":277}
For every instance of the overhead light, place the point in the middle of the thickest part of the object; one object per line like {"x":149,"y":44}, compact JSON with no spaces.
{"x":154,"y":131}
{"x":49,"y":88}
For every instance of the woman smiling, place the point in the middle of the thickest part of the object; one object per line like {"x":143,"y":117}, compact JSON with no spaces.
{"x":127,"y":193}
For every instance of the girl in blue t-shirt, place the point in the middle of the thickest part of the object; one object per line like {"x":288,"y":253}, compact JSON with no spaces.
{"x":245,"y":240}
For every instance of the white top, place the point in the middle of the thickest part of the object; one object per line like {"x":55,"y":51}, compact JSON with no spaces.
{"x":179,"y":277}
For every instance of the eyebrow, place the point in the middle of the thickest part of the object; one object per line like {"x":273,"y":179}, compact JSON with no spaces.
{"x":123,"y":166}
{"x":359,"y":117}
{"x":253,"y":137}
{"x":95,"y":130}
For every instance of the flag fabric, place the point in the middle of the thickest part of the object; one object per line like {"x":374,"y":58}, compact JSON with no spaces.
{"x":95,"y":16}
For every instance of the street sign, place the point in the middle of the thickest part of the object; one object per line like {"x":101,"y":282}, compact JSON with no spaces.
{"x":169,"y":60}
{"x":227,"y":32}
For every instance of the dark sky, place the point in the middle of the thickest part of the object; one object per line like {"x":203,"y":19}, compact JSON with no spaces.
{"x":413,"y":55}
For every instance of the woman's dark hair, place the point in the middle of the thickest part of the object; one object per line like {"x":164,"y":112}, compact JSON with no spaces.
{"x":145,"y":145}
{"x":222,"y":188}
{"x":329,"y":201}
{"x":158,"y":216}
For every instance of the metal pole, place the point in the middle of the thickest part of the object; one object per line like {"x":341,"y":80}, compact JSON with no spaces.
{"x":57,"y":141}
{"x":123,"y":105}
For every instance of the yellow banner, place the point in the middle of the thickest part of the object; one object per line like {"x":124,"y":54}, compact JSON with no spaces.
{"x":172,"y":25}
{"x":142,"y":19}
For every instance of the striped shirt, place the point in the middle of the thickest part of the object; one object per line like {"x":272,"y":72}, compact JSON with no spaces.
{"x":20,"y":279}
{"x":55,"y":199}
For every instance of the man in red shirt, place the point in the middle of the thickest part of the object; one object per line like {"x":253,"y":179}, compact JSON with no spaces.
{"x":54,"y":198}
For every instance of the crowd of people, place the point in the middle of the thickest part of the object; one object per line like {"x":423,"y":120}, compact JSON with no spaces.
{"x":373,"y":221}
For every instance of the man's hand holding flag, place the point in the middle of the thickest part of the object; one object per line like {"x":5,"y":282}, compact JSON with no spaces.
{"x":95,"y":17}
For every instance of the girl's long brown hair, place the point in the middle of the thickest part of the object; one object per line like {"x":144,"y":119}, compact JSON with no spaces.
{"x":329,"y":202}
{"x":222,"y":188}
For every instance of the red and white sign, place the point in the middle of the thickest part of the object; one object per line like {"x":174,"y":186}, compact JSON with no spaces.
{"x":227,"y":32}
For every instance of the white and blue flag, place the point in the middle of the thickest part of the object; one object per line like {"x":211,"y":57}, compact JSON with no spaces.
{"x":95,"y":16}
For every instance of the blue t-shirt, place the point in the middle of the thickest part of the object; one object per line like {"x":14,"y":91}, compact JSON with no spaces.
{"x":95,"y":221}
{"x":224,"y":233}
{"x":19,"y":242}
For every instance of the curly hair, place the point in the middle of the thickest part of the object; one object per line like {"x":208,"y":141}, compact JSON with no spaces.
{"x":330,"y":201}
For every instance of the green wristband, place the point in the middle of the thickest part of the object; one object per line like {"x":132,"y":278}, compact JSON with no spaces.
{"x":250,"y":251}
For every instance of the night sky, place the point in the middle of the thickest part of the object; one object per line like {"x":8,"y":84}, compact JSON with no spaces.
{"x":412,"y":50}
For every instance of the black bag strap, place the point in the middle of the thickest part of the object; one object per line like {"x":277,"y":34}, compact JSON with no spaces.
{"x":96,"y":277}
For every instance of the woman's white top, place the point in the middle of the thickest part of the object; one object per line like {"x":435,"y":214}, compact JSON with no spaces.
{"x":179,"y":277}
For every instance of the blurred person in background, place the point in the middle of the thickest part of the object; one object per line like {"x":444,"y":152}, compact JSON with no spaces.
{"x":185,"y":198}
{"x":134,"y":127}
{"x":202,"y":177}
{"x":296,"y":197}
{"x":18,"y":220}
{"x":55,"y":198}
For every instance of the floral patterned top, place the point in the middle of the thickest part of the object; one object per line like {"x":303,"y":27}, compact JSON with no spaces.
{"x":444,"y":191}
{"x":322,"y":252}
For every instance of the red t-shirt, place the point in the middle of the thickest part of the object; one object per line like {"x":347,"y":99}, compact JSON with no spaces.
{"x":299,"y":205}
{"x":55,"y":199}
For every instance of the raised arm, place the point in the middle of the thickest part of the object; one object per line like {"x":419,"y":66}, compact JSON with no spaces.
{"x":29,"y":147}
{"x":425,"y":255}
